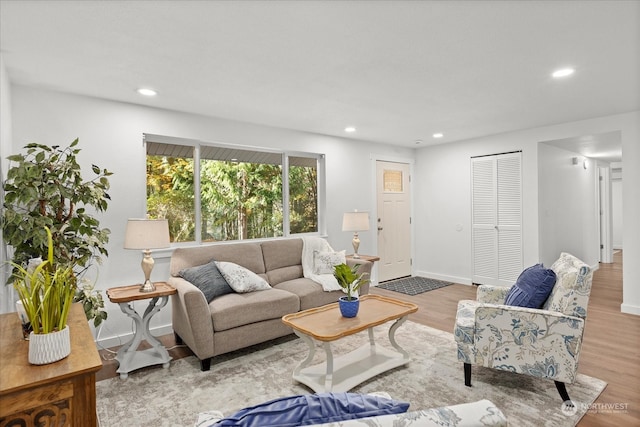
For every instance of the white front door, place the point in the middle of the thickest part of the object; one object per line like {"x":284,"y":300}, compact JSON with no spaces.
{"x":393,"y":220}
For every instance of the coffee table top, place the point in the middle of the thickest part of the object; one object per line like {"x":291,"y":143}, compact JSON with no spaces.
{"x":327,"y":324}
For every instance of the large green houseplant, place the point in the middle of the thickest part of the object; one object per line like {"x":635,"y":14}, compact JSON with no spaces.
{"x":45,"y":188}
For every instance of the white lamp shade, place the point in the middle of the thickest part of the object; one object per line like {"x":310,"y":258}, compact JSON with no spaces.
{"x":147,"y":234}
{"x":355,"y":221}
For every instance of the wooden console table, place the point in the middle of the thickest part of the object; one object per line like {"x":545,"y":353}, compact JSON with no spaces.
{"x":62,"y":393}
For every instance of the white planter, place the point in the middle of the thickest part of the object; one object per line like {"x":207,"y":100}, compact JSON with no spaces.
{"x":49,"y":348}
{"x":24,"y":320}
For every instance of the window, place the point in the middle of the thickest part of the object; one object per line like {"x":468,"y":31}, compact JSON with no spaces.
{"x":170,"y":187}
{"x":303,"y":195}
{"x":216,"y":192}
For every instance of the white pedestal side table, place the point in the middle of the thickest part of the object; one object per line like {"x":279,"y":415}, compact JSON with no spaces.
{"x":129,"y":357}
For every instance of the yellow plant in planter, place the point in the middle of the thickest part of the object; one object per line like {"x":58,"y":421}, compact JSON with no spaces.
{"x":46,"y":292}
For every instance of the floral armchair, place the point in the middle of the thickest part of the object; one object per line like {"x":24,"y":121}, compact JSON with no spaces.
{"x":542,"y":342}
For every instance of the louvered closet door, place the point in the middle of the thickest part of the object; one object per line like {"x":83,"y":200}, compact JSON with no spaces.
{"x":497,"y":219}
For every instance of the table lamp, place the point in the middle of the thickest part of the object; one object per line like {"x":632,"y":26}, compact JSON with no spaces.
{"x":147,"y":234}
{"x":355,"y":221}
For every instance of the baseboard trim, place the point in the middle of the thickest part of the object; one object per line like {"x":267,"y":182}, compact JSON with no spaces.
{"x":630,"y":309}
{"x":444,"y":277}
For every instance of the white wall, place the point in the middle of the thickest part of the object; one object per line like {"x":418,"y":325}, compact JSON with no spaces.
{"x":6,"y":292}
{"x":630,"y":124}
{"x":616,"y":213}
{"x":567,"y":206}
{"x":443,"y":200}
{"x":111,"y":136}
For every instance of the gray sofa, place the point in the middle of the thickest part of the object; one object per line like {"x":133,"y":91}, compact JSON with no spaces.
{"x":235,"y":320}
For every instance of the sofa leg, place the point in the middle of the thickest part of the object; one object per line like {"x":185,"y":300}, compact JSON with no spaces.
{"x":178,"y":339}
{"x":205,"y":364}
{"x":467,"y":374}
{"x":562,"y":389}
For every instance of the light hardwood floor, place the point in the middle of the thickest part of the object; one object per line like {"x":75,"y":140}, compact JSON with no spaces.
{"x":610,"y":351}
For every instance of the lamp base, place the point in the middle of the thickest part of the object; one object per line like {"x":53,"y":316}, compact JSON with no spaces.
{"x":356,"y":244}
{"x":147,"y":286}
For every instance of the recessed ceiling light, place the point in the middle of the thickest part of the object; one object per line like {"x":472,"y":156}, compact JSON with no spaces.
{"x":418,"y":141}
{"x":350,"y":129}
{"x":147,"y":92}
{"x":563,"y":72}
{"x":438,"y":135}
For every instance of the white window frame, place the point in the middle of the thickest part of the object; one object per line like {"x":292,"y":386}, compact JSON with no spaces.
{"x":197,"y":146}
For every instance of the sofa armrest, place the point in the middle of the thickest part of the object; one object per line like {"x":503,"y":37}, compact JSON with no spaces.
{"x":365,"y":269}
{"x":192,"y":317}
{"x":492,"y":294}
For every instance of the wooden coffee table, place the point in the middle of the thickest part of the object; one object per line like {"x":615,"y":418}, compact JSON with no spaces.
{"x":326,"y":324}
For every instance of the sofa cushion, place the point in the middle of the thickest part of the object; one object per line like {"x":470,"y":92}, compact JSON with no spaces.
{"x":233,"y":310}
{"x":310,"y":293}
{"x":314,"y":408}
{"x":324,"y":261}
{"x":532,"y":288}
{"x":282,"y":253}
{"x":246,"y":254}
{"x":284,"y":274}
{"x":242,"y":280}
{"x":208,"y":279}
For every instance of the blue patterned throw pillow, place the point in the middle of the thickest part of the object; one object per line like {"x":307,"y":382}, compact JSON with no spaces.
{"x":313,"y":409}
{"x":532,"y":287}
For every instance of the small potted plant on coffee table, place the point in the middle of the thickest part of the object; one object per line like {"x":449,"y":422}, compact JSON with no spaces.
{"x":350,"y":281}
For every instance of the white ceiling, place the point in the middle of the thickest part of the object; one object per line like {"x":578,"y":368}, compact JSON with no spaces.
{"x":606,"y":147}
{"x":397,"y":70}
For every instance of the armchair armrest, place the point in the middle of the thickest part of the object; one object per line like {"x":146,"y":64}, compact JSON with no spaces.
{"x":492,"y":294}
{"x":513,"y":338}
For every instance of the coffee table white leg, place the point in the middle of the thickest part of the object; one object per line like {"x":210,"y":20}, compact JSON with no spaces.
{"x":372,"y":342}
{"x":392,"y":338}
{"x":328,"y":379}
{"x":312,"y":351}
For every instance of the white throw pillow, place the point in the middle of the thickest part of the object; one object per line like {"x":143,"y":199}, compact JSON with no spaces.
{"x":241,"y":279}
{"x":323,"y":262}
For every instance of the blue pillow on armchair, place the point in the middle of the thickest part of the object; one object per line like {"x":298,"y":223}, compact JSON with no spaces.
{"x":310,"y":409}
{"x":532,"y":287}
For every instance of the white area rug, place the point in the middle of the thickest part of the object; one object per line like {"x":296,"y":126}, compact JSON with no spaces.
{"x":174,"y":396}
